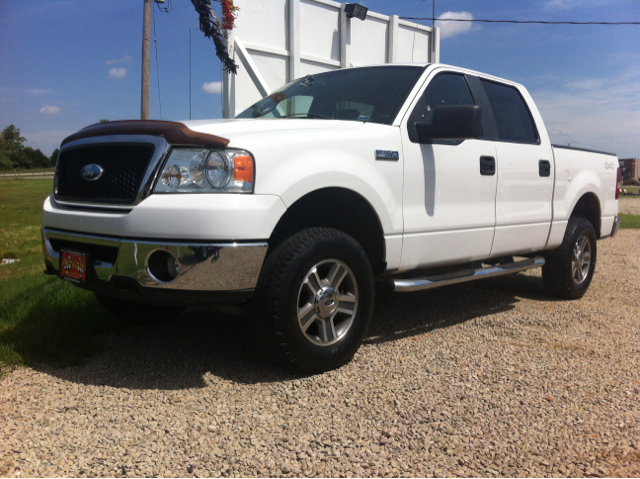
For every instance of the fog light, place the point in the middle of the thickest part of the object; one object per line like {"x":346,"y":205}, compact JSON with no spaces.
{"x":162,"y":266}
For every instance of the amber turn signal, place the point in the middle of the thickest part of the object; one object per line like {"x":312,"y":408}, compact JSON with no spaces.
{"x":243,"y":168}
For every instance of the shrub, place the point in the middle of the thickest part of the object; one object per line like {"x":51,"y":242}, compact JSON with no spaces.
{"x":631,"y":182}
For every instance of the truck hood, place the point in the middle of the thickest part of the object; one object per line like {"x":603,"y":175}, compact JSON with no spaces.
{"x":241,"y":131}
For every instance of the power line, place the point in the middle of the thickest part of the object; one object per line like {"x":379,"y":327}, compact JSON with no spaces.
{"x":155,"y":42}
{"x":517,"y":21}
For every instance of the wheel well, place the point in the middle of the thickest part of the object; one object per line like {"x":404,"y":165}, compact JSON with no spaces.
{"x":588,"y":207}
{"x":336,"y":208}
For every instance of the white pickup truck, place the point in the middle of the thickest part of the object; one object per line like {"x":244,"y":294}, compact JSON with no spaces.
{"x":413,"y":176}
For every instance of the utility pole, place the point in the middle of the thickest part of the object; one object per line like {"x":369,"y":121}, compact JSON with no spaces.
{"x":146,"y":62}
{"x":189,"y":74}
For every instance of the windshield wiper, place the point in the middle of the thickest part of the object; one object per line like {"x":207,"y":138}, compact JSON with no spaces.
{"x":304,"y":115}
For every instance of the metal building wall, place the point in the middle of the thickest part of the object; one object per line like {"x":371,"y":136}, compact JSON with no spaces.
{"x":277,"y":41}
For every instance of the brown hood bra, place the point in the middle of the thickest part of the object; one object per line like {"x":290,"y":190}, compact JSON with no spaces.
{"x":175,"y":133}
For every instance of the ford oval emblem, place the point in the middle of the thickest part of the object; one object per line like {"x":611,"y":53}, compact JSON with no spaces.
{"x":91,"y":172}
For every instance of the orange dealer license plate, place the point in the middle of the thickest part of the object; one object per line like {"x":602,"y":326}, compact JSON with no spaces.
{"x":73,"y":266}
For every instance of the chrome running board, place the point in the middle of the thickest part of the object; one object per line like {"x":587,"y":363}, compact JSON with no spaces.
{"x":428,"y":282}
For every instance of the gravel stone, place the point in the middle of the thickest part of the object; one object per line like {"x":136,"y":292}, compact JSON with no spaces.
{"x":493,"y":378}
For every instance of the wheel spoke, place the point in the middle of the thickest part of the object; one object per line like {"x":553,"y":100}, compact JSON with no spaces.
{"x":336,"y":274}
{"x":313,"y":282}
{"x":306,"y":316}
{"x":327,"y":331}
{"x":586,"y":257}
{"x":582,"y":241}
{"x":347,"y":304}
{"x":579,"y":273}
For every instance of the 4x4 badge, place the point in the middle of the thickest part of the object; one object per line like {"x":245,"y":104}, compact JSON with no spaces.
{"x":91,"y":172}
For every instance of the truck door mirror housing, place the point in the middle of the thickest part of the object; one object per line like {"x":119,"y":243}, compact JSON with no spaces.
{"x":452,"y":122}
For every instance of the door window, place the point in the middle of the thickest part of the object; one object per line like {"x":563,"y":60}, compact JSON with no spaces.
{"x":512,"y":115}
{"x":444,"y":89}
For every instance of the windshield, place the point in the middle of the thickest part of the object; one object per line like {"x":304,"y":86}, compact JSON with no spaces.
{"x":372,"y":94}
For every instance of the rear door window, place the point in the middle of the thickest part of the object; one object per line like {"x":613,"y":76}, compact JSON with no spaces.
{"x":512,"y":115}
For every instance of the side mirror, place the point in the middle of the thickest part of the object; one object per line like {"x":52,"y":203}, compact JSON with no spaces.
{"x":452,"y":122}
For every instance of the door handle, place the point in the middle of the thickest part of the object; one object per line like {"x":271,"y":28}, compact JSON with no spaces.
{"x":544,"y":168}
{"x":487,"y":165}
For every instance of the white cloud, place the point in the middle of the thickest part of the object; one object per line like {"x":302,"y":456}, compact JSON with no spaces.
{"x":117,"y":73}
{"x":50,"y":110}
{"x":449,"y":29}
{"x":214,"y":87}
{"x":581,"y":4}
{"x":124,"y":59}
{"x":601,"y":114}
{"x":558,"y":4}
{"x":37,"y":91}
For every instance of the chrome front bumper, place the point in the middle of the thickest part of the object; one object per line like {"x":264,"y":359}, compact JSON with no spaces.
{"x":202,"y":266}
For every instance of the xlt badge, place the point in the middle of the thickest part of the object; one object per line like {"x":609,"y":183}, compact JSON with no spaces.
{"x":387,"y":155}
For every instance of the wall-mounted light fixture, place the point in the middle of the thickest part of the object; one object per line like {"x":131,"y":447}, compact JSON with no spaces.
{"x":353,"y":10}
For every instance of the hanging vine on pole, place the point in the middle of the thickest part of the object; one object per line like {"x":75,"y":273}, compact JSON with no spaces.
{"x":210,"y":26}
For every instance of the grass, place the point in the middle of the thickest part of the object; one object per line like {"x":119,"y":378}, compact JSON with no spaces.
{"x":630,"y":221}
{"x":42,"y":320}
{"x":50,"y":169}
{"x":20,"y":211}
{"x":631,"y":189}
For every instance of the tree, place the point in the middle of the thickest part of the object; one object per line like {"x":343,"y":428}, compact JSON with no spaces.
{"x":104,"y":120}
{"x":11,"y":135}
{"x":54,"y":156}
{"x":5,"y":161}
{"x":36,"y":159}
{"x":11,"y":145}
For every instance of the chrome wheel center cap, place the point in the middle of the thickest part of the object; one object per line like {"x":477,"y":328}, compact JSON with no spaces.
{"x":326,"y":302}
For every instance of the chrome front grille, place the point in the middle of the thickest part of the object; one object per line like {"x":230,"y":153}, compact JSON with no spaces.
{"x":124,"y":168}
{"x":128,"y":165}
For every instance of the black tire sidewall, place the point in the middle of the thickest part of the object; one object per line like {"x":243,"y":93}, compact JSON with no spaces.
{"x":585,"y":228}
{"x":557,"y":272}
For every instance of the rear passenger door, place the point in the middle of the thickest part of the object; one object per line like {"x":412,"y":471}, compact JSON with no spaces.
{"x":525,"y":173}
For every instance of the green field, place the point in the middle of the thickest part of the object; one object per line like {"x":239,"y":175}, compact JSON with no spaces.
{"x":42,"y":319}
{"x":51,"y":169}
{"x":630,"y":221}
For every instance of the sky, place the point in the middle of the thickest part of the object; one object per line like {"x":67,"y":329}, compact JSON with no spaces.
{"x":65,"y":64}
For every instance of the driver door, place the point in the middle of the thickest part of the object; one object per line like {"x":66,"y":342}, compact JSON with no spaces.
{"x":449,"y":187}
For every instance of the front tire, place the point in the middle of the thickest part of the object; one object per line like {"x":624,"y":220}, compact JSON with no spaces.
{"x":569,"y":269}
{"x":314,"y":300}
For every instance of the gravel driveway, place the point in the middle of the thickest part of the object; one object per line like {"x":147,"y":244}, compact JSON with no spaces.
{"x":629,"y":206}
{"x":491,"y":378}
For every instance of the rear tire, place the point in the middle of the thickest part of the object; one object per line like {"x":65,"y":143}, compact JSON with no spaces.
{"x":569,"y":269}
{"x":314,"y":301}
{"x":138,"y":313}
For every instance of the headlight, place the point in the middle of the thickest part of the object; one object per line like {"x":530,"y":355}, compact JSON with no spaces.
{"x":207,"y":171}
